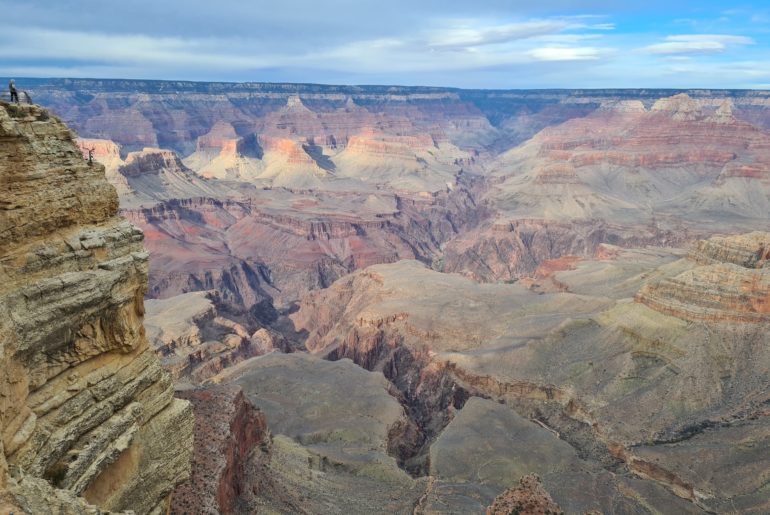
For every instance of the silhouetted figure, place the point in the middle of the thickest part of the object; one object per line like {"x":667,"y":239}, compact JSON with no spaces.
{"x":14,"y":93}
{"x":90,"y":156}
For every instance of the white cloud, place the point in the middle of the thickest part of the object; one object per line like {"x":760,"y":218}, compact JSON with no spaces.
{"x":126,"y":49}
{"x":474,"y":34}
{"x":697,"y":44}
{"x":567,"y":53}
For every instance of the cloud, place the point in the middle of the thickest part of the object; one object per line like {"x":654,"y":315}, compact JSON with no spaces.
{"x":495,"y":43}
{"x":474,"y":44}
{"x":126,"y":49}
{"x":697,"y":44}
{"x":568,"y":53}
{"x":472,"y":36}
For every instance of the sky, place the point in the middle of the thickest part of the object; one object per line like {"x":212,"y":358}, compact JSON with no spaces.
{"x":498,"y":44}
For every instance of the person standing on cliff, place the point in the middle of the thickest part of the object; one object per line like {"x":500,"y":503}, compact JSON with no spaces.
{"x":14,"y":93}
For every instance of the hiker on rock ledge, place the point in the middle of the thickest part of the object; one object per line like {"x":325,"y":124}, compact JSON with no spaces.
{"x":14,"y":93}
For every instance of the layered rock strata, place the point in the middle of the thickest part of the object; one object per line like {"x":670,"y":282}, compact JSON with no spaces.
{"x":85,"y":406}
{"x":623,"y":175}
{"x":730,"y":284}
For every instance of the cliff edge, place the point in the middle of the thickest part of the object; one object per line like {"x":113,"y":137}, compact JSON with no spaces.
{"x":88,"y":420}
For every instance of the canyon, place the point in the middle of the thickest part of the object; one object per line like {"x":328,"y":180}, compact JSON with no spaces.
{"x":387,"y":299}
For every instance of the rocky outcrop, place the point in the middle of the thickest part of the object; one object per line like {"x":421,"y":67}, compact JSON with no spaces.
{"x":750,"y":250}
{"x":680,"y":107}
{"x":85,"y":408}
{"x":153,"y":175}
{"x":731,"y":283}
{"x":229,"y":432}
{"x":332,"y":423}
{"x":194,"y":341}
{"x":527,"y":498}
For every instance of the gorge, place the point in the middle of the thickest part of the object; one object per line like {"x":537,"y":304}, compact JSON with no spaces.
{"x":334,"y":299}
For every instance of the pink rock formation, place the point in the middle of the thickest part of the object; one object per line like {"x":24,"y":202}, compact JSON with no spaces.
{"x":103,"y":149}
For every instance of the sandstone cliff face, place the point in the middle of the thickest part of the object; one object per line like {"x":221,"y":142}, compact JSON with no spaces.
{"x":84,"y":404}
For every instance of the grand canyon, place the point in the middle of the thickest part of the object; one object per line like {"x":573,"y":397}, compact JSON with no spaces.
{"x":296,"y":298}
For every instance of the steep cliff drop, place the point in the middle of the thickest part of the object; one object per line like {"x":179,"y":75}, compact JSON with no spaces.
{"x":87,"y":416}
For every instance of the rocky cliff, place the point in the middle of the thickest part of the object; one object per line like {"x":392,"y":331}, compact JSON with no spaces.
{"x":228,"y":434}
{"x":87,"y":414}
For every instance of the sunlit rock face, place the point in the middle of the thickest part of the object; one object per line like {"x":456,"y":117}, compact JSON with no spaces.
{"x":730,"y":283}
{"x":85,"y":405}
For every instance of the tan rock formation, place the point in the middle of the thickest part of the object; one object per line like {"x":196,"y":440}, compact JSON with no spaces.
{"x":85,"y":405}
{"x":732,"y":283}
{"x":155,"y":174}
{"x":680,"y":107}
{"x":750,"y":250}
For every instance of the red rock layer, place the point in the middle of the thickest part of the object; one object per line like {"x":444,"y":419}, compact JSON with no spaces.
{"x":227,"y":430}
{"x":220,"y":135}
{"x":559,"y":173}
{"x":676,"y":132}
{"x":372,"y":142}
{"x":245,"y":251}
